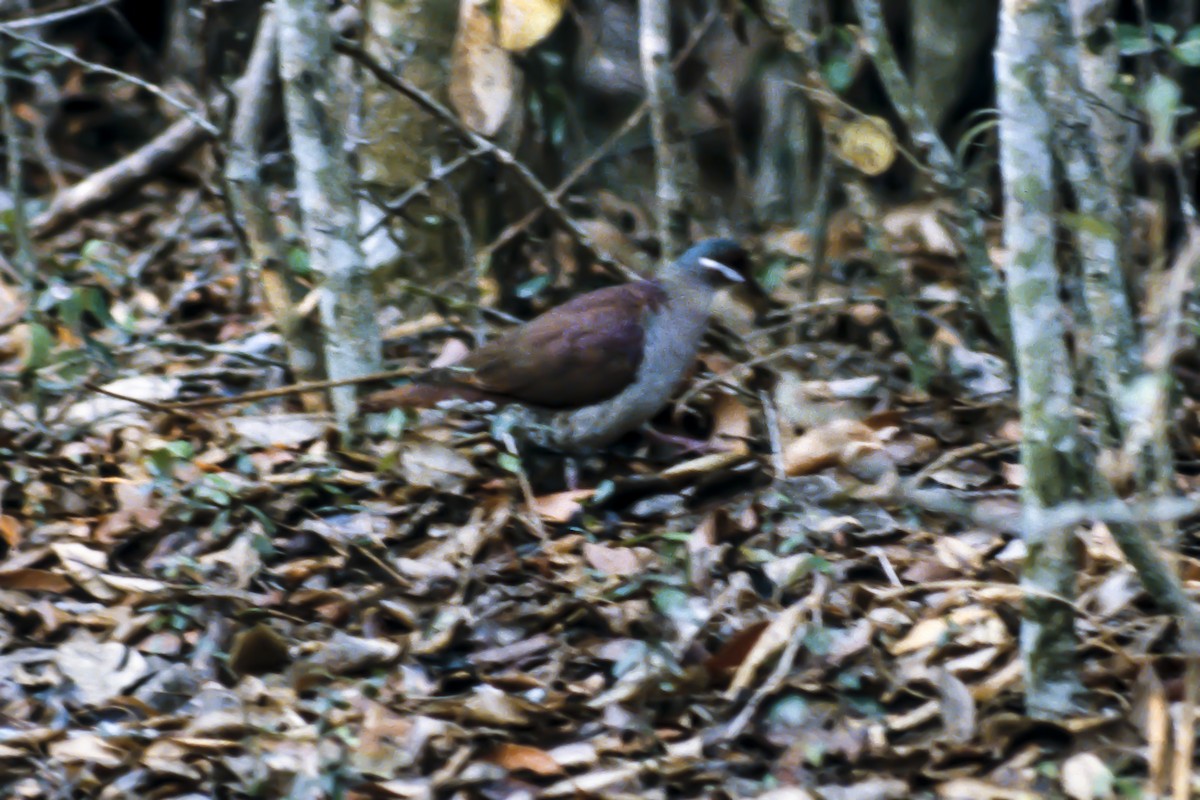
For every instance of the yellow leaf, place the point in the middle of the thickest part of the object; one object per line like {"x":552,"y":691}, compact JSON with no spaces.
{"x":524,"y":23}
{"x":868,"y":144}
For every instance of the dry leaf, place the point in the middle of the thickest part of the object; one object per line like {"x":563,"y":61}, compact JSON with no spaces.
{"x":88,"y":748}
{"x":101,"y":670}
{"x":731,"y":424}
{"x":436,"y":466}
{"x":523,"y":757}
{"x":774,"y":638}
{"x":10,"y":530}
{"x":561,"y":507}
{"x":483,"y":78}
{"x":834,"y":444}
{"x":867,"y":144}
{"x":1086,"y":777}
{"x":612,"y":560}
{"x":524,"y":23}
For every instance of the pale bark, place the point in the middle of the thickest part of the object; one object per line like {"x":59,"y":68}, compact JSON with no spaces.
{"x":251,"y":208}
{"x":1049,"y":444}
{"x":324,"y":187}
{"x":672,"y":159}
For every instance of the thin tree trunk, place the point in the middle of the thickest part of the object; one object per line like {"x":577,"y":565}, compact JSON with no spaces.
{"x":23,"y":258}
{"x":323,"y":183}
{"x":967,"y":222}
{"x":672,"y":159}
{"x":248,"y":201}
{"x":1049,"y":443}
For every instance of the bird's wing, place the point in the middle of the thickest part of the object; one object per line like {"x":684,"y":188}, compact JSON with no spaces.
{"x":582,"y":352}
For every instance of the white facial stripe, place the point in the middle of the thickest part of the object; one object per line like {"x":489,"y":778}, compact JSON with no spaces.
{"x":721,"y":269}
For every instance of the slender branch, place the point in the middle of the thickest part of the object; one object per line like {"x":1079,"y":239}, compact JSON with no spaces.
{"x":420,"y":189}
{"x":474,"y":140}
{"x":55,"y":17}
{"x":251,"y":212}
{"x":264,"y":394}
{"x":584,"y":167}
{"x":196,"y":116}
{"x":967,"y":223}
{"x":23,"y":258}
{"x":671,"y":168}
{"x":324,"y":178}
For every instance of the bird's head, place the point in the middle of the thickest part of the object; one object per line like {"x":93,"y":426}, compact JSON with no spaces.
{"x":713,"y":263}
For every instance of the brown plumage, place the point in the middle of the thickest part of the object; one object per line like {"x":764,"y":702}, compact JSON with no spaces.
{"x":577,"y":354}
{"x":598,"y":365}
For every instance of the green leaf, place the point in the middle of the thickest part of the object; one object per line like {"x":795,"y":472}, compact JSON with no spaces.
{"x":262,"y":543}
{"x":509,"y":462}
{"x":41,"y":342}
{"x":1161,"y":102}
{"x":673,"y":603}
{"x":180,"y":448}
{"x":1187,"y":50}
{"x":70,"y":310}
{"x":395,"y":423}
{"x":268,"y":526}
{"x":1191,"y":140}
{"x":95,"y":302}
{"x":92,"y":250}
{"x":838,"y":73}
{"x":1133,"y":41}
{"x":1164,"y":32}
{"x":532,"y":287}
{"x":299,"y":262}
{"x":771,"y":275}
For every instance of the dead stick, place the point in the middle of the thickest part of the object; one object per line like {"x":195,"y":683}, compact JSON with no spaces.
{"x":264,"y":394}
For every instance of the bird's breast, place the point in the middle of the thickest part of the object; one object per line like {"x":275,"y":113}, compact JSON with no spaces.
{"x":672,"y":338}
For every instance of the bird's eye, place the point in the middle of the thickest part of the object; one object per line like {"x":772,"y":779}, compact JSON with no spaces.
{"x":720,"y":269}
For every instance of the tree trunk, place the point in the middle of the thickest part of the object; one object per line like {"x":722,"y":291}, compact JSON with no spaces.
{"x":323,"y":183}
{"x":1049,"y":442}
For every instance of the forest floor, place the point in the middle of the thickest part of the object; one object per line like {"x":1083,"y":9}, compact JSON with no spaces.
{"x":233,"y":603}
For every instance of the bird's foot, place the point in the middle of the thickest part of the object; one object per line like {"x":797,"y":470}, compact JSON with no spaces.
{"x":687,"y":445}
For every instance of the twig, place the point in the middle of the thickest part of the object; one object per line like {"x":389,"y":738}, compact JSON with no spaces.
{"x":161,"y":151}
{"x":1183,"y":774}
{"x":899,"y":296}
{"x":510,"y":444}
{"x":474,"y":140}
{"x":192,"y":114}
{"x":974,"y":586}
{"x":946,"y":459}
{"x":1123,"y":520}
{"x":741,"y":368}
{"x":774,"y":435}
{"x":422,"y":187}
{"x":55,"y":17}
{"x":967,"y":222}
{"x":264,"y":394}
{"x":584,"y":167}
{"x":672,"y":170}
{"x":25,"y":263}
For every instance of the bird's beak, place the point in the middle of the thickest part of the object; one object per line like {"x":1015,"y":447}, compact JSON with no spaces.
{"x":725,"y":272}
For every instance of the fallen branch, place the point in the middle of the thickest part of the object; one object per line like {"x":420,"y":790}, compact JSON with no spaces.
{"x":264,"y":394}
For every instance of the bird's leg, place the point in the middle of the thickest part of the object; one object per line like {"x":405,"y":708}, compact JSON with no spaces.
{"x":571,"y":472}
{"x":687,"y":445}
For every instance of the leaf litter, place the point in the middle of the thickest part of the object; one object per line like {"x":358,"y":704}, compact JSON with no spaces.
{"x":232,"y":603}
